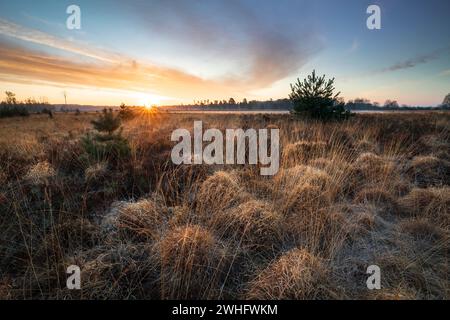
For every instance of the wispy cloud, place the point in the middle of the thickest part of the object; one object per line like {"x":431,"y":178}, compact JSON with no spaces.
{"x":354,"y":47}
{"x":108,"y":70}
{"x":263,"y":50}
{"x":13,"y":30}
{"x":19,"y":64}
{"x":418,"y":60}
{"x":265,"y":56}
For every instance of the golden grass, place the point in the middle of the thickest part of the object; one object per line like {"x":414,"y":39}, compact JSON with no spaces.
{"x":219,"y":192}
{"x":193,"y":264}
{"x":296,"y":275}
{"x":432,"y":203}
{"x":429,"y":171}
{"x":143,"y":219}
{"x":372,"y":190}
{"x":40,"y":173}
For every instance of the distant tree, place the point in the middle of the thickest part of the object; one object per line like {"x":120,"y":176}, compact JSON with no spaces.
{"x":107,"y":122}
{"x":10,"y":97}
{"x":446,"y":100}
{"x":314,"y":97}
{"x":244,"y":101}
{"x":12,"y":108}
{"x":391,"y":104}
{"x":361,"y":101}
{"x":31,"y":101}
{"x":232,"y":101}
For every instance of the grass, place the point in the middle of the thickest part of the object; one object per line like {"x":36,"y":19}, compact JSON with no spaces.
{"x":372,"y":190}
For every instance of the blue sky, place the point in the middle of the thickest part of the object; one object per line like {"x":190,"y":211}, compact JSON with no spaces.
{"x":178,"y":51}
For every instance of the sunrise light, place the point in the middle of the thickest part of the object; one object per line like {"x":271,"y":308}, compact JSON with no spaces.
{"x":149,"y":101}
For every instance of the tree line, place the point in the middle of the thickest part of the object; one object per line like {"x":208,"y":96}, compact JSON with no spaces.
{"x":11,"y":107}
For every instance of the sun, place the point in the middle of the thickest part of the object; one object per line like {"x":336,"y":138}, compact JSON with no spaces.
{"x":149,"y":101}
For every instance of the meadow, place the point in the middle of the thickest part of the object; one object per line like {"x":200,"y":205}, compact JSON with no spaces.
{"x":372,"y":190}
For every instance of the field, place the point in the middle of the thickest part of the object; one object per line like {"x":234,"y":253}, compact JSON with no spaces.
{"x":374,"y":190}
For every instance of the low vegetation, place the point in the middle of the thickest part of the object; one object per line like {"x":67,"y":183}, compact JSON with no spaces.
{"x":371,"y":190}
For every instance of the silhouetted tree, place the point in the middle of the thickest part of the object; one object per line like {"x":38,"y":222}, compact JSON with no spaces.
{"x":11,"y":107}
{"x":391,"y":104}
{"x":10,"y":97}
{"x":314,"y":97}
{"x":446,"y":100}
{"x":125,"y":112}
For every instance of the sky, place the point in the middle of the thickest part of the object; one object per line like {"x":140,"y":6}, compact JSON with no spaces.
{"x":178,"y":51}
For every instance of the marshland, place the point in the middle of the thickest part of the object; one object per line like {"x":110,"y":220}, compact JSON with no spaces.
{"x":370,"y":190}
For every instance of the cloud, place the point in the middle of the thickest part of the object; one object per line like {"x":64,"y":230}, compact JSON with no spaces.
{"x":23,"y":65}
{"x":264,"y":50}
{"x":444,"y":73}
{"x":108,"y":70}
{"x":354,"y":46}
{"x":13,"y":30}
{"x":262,"y":53}
{"x":418,"y":60}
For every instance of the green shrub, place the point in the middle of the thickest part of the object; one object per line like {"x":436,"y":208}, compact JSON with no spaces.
{"x":107,"y":122}
{"x":99,"y":149}
{"x":314,"y":98}
{"x":106,"y":145}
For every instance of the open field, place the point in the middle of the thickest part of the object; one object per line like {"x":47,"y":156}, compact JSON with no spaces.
{"x":374,"y":190}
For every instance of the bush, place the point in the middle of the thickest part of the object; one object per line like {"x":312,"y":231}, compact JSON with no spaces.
{"x":107,"y":122}
{"x":10,"y":110}
{"x":99,"y":149}
{"x":315,"y":98}
{"x":47,"y":111}
{"x":125,"y":112}
{"x":108,"y":146}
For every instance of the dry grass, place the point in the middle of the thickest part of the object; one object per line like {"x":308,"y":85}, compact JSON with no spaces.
{"x":429,"y":171}
{"x":96,"y":171}
{"x":253,"y":224}
{"x":142,"y":220}
{"x":296,"y":275}
{"x":219,"y":192}
{"x":422,"y":229}
{"x":193,"y":264}
{"x":372,"y":190}
{"x":432,"y":203}
{"x":379,"y":198}
{"x":40,"y":173}
{"x":124,"y":271}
